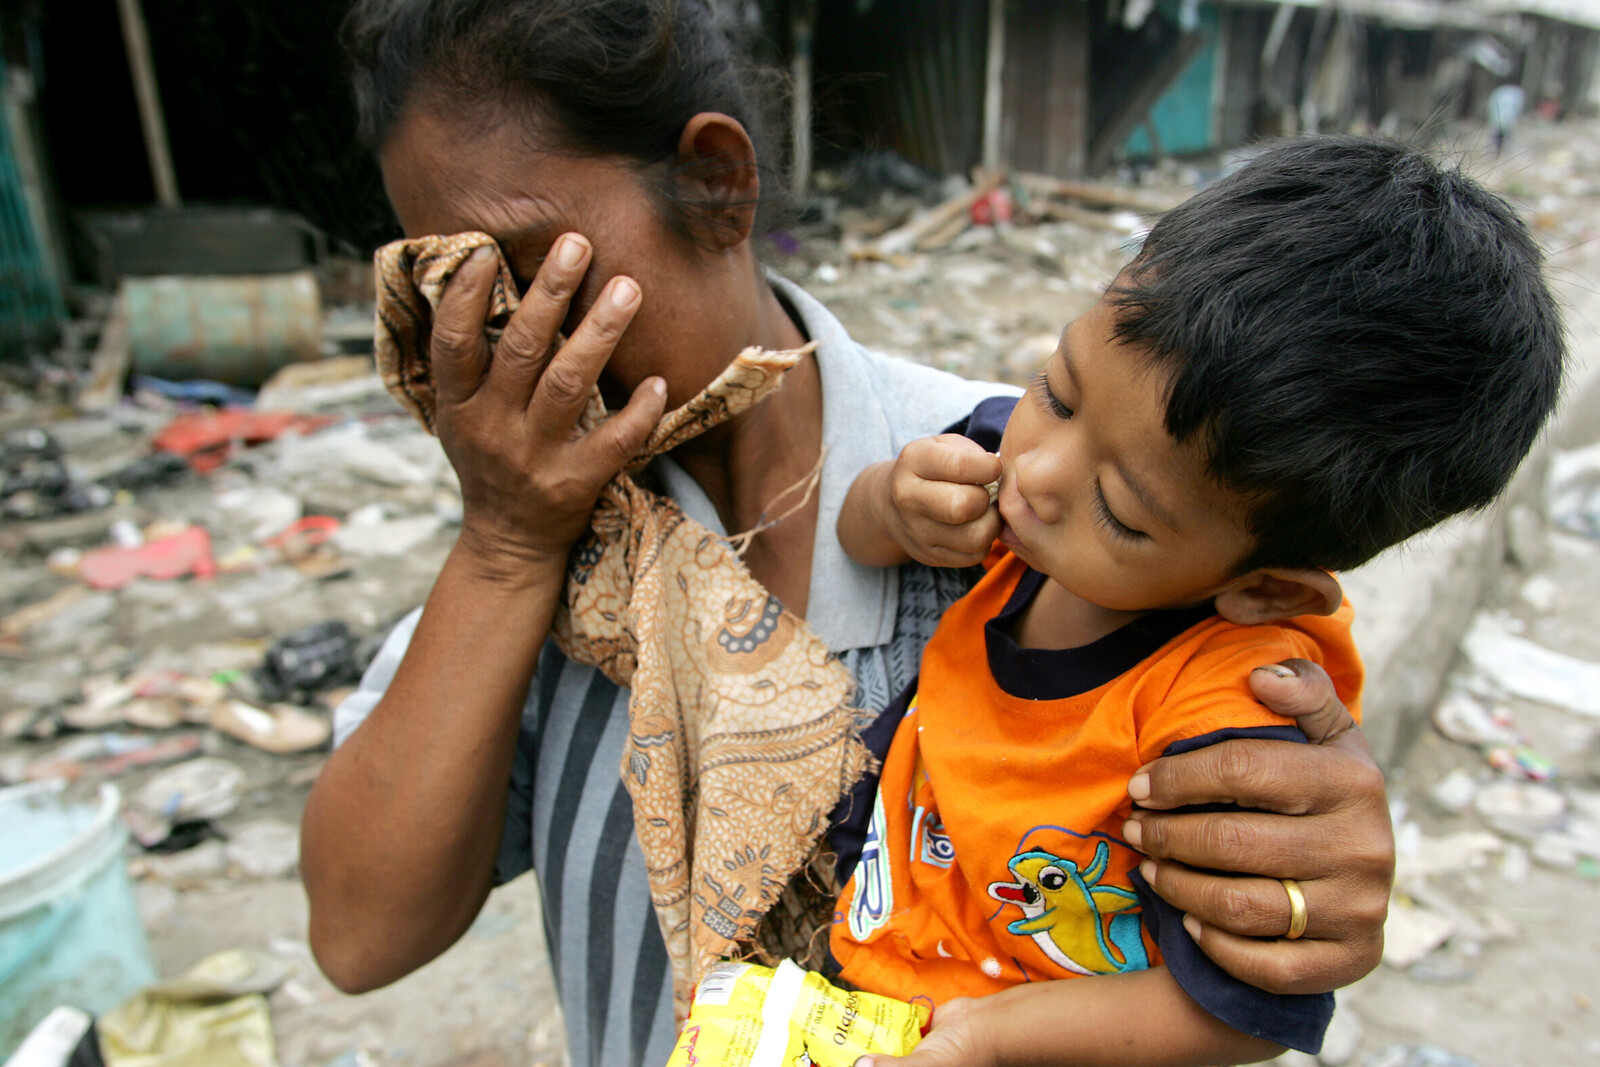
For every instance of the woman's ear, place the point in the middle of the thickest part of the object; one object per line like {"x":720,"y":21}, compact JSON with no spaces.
{"x":1273,"y":594}
{"x":717,"y":171}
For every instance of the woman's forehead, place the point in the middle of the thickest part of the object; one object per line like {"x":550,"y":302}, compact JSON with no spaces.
{"x":445,"y":177}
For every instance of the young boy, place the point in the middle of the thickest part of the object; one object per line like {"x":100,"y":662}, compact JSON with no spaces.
{"x":1331,"y":350}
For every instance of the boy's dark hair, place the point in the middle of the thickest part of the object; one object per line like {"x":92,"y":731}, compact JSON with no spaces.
{"x":1364,"y":338}
{"x":608,"y":77}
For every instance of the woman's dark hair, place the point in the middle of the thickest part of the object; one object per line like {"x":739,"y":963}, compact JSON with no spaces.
{"x":609,"y":77}
{"x":1362,"y":337}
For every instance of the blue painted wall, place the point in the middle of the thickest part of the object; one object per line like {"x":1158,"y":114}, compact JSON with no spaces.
{"x":1183,"y":115}
{"x":30,"y":294}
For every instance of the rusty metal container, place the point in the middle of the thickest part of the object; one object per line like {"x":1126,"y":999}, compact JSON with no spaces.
{"x":234,"y":329}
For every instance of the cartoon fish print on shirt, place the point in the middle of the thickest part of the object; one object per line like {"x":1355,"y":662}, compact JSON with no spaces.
{"x":1065,"y":911}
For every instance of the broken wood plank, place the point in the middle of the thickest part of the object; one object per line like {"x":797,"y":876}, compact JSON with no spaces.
{"x":1144,"y":202}
{"x":935,"y":220}
{"x":108,"y":368}
{"x":1079,"y":216}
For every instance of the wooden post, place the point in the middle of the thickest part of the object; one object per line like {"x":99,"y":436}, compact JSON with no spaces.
{"x":137,"y":40}
{"x":802,"y":20}
{"x":993,"y":86}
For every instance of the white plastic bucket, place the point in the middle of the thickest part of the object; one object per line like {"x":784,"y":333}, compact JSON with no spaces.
{"x":70,"y":932}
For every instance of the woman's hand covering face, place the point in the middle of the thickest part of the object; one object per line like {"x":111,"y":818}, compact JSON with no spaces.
{"x":1321,"y":819}
{"x":509,"y":424}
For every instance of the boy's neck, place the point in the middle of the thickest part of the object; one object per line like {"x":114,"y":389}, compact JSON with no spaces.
{"x":1057,"y":619}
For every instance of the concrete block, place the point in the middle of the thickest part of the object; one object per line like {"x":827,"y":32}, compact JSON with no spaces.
{"x":1414,"y":603}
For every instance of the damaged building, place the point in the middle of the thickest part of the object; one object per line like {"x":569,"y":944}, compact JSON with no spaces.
{"x":1069,"y":87}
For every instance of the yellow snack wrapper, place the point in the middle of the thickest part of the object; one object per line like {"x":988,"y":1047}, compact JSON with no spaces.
{"x":745,"y":1015}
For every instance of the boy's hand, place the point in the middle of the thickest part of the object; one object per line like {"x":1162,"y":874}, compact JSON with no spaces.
{"x":936,"y":502}
{"x":952,"y":1041}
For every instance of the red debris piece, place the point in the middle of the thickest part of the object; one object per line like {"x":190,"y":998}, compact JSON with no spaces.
{"x":308,"y":532}
{"x":114,"y":566}
{"x":206,"y":440}
{"x":992,"y":207}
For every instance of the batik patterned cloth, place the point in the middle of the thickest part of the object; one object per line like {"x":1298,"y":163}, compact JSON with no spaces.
{"x":742,"y":734}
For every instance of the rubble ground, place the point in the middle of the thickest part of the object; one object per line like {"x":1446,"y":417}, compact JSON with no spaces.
{"x":1494,"y":949}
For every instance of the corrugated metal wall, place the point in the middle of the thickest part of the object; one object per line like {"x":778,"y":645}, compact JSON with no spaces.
{"x":31,"y":307}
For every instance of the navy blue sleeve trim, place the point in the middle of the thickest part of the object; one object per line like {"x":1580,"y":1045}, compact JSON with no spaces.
{"x":987,"y":423}
{"x":1297,"y":1022}
{"x":847,"y":826}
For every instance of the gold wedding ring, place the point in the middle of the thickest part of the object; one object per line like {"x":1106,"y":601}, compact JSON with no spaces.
{"x":1297,"y":908}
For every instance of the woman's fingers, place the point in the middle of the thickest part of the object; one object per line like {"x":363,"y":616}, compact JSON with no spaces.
{"x":530,"y":338}
{"x":457,"y":346}
{"x":1335,"y":840}
{"x":1260,"y":907}
{"x":1303,"y":691}
{"x":1289,"y":967}
{"x":564,"y":387}
{"x":622,"y":436}
{"x":1256,"y":774}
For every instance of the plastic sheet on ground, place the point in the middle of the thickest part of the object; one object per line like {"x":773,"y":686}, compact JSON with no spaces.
{"x":1530,"y":670}
{"x":215,"y":1015}
{"x":1572,"y":491}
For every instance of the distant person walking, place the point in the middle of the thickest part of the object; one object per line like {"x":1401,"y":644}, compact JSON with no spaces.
{"x":1505,"y":106}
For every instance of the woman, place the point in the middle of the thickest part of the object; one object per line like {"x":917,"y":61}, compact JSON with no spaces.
{"x":610,"y":148}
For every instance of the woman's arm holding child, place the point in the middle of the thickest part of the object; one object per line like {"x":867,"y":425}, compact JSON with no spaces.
{"x":1139,"y":1019}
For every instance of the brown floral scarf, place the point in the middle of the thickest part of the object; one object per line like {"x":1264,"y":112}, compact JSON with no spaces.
{"x":741,"y":734}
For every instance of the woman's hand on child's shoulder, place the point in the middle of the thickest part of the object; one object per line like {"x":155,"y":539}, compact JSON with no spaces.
{"x":1318,"y":816}
{"x":938,"y":504}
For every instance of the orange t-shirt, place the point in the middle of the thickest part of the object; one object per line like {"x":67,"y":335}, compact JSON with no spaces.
{"x":993,"y":854}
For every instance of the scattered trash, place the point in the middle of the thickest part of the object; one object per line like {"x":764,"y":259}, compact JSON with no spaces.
{"x":280,"y":729}
{"x":163,"y":559}
{"x":64,"y":1038}
{"x":108,"y":755}
{"x":339,"y":382}
{"x":193,"y":391}
{"x":1411,"y":932}
{"x":1416,"y":1056}
{"x":306,"y":547}
{"x":215,"y":1014}
{"x":264,"y":848}
{"x":310,"y":659}
{"x":1520,"y":762}
{"x":206,"y":441}
{"x":1454,"y":792}
{"x":367,"y":533}
{"x":1514,"y":864}
{"x":350,"y":448}
{"x":1462,"y":717}
{"x":1572,"y":491}
{"x":158,"y":468}
{"x":197,"y":865}
{"x":1418,"y":856}
{"x":1529,"y":670}
{"x":15,"y":627}
{"x":263,"y":511}
{"x":204,"y":788}
{"x":69,"y":928}
{"x":35,"y":481}
{"x":1521,"y":809}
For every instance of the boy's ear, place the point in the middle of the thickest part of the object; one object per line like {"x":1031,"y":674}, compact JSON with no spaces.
{"x":1273,"y":594}
{"x":719,"y":160}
